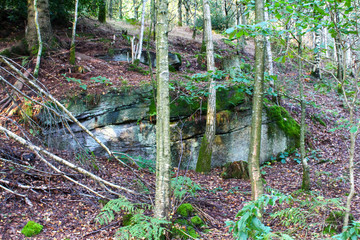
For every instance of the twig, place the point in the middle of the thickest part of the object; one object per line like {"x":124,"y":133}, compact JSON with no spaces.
{"x":28,"y":202}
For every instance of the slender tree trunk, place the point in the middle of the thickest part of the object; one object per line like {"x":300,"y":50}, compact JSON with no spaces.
{"x":142,"y":30}
{"x":153,"y":17}
{"x":44,"y":23}
{"x":180,"y":12}
{"x":121,"y":9}
{"x":243,"y":21}
{"x":163,"y":161}
{"x":306,"y":177}
{"x":270,"y":64}
{"x":257,"y":188}
{"x":194,"y":24}
{"x":326,"y":42}
{"x":110,"y":9}
{"x":316,"y":69}
{"x":40,"y":44}
{"x":136,"y":10}
{"x":73,"y":37}
{"x":353,"y":136}
{"x":102,"y":11}
{"x":205,"y":152}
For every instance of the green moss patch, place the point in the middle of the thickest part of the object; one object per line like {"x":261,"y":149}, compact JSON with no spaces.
{"x":228,"y":98}
{"x":31,"y":229}
{"x":126,"y":221}
{"x":237,"y":170}
{"x":334,"y":222}
{"x":196,"y":221}
{"x":284,"y":121}
{"x":185,"y":210}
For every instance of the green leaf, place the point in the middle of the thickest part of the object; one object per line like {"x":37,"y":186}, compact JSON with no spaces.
{"x":354,"y":129}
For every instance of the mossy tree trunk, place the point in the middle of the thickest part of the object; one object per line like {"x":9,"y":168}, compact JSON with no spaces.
{"x":204,"y":159}
{"x":306,"y":176}
{"x":31,"y":33}
{"x":110,"y":9}
{"x":120,"y":9}
{"x":257,"y":188}
{"x":102,"y":11}
{"x":73,"y":37}
{"x":163,"y":161}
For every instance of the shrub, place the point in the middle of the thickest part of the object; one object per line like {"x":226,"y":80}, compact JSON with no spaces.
{"x":31,"y":229}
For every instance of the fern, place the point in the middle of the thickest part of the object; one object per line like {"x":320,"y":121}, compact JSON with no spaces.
{"x":143,"y":227}
{"x":184,"y":185}
{"x":107,"y":214}
{"x":351,"y":232}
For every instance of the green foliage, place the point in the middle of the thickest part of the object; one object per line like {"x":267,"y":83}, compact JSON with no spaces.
{"x":249,"y":226}
{"x":351,"y":232}
{"x":182,"y":230}
{"x":143,"y":227}
{"x":183,"y":186}
{"x":31,"y":229}
{"x":334,"y":222}
{"x":185,"y":210}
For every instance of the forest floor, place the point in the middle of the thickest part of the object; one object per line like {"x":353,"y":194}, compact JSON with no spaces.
{"x":68,"y":212}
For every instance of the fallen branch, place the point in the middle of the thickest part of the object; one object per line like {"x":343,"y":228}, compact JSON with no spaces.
{"x":28,"y":202}
{"x":38,"y":150}
{"x":19,"y":185}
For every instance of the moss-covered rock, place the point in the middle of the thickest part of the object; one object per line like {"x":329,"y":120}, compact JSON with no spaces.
{"x":183,"y":231}
{"x":31,"y":229}
{"x":197,"y":221}
{"x":185,"y":210}
{"x":285,"y":122}
{"x":237,"y":170}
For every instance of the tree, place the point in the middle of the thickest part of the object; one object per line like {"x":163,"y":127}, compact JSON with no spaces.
{"x":204,"y":159}
{"x":141,"y":30}
{"x":31,"y":34}
{"x":163,"y":161}
{"x":180,"y":12}
{"x":73,"y":37}
{"x":40,"y":44}
{"x":255,"y":137}
{"x":102,"y":11}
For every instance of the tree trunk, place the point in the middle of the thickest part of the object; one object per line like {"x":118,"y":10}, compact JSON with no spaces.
{"x":73,"y":37}
{"x":44,"y":23}
{"x":269,"y":58}
{"x":153,"y":17}
{"x":102,"y":11}
{"x":136,"y":10}
{"x":257,"y":188}
{"x":317,"y":51}
{"x":353,"y":135}
{"x":40,"y":43}
{"x":111,"y":9}
{"x":120,"y":9}
{"x":194,"y":24}
{"x":204,"y":159}
{"x":163,"y":161}
{"x":306,"y":178}
{"x":180,"y":13}
{"x":142,"y":29}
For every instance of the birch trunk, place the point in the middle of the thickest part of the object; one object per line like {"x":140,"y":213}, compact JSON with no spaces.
{"x":73,"y":37}
{"x":141,"y":30}
{"x":204,"y":159}
{"x":257,"y":188}
{"x":316,"y":69}
{"x":163,"y":161}
{"x":40,"y":43}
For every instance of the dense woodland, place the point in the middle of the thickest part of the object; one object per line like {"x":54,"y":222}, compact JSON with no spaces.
{"x":295,"y":62}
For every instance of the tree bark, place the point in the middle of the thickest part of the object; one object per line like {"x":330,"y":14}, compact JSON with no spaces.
{"x":120,"y":9}
{"x":204,"y":159}
{"x":257,"y":188}
{"x":110,"y":9}
{"x":44,"y":23}
{"x":73,"y":37}
{"x":163,"y":161}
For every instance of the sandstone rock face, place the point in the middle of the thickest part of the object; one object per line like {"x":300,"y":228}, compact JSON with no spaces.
{"x":122,"y":121}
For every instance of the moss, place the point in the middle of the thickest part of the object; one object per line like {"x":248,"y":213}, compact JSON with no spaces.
{"x":285,"y":122}
{"x":179,"y":56}
{"x":184,"y":231}
{"x":72,"y":54}
{"x":238,"y":170}
{"x":172,"y":68}
{"x":182,"y":107}
{"x":203,"y":164}
{"x":127,"y":220}
{"x":185,"y":210}
{"x":31,"y":229}
{"x":196,"y":221}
